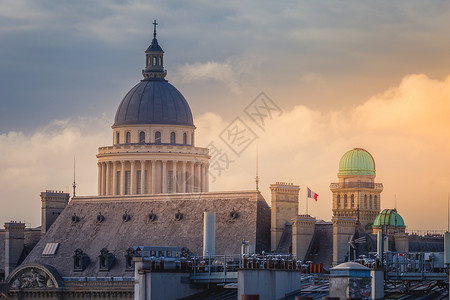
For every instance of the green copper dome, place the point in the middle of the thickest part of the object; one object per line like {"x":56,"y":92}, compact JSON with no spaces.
{"x":357,"y":162}
{"x":390,"y":218}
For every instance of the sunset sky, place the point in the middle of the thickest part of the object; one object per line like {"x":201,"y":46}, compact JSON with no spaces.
{"x":345,"y":74}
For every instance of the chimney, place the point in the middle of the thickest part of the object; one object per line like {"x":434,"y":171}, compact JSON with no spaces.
{"x":209,"y":233}
{"x":14,"y":244}
{"x":53,"y":203}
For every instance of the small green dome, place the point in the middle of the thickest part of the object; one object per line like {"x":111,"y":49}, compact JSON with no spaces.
{"x":357,"y":162}
{"x":390,"y":218}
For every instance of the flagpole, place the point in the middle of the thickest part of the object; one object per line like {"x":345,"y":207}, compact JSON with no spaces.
{"x":306,"y":200}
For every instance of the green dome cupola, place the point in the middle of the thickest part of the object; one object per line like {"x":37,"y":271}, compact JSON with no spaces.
{"x":390,"y":218}
{"x":357,"y":162}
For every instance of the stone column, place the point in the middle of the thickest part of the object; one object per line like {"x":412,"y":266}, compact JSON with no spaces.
{"x":198,"y":186}
{"x":207,"y":177}
{"x":203,"y":177}
{"x":108,"y":178}
{"x":133,"y":178}
{"x":122,"y":179}
{"x":103,"y":178}
{"x":164,"y":176}
{"x":142,"y":177}
{"x":99,"y":164}
{"x":114,"y":178}
{"x":192,"y":179}
{"x":153,"y":176}
{"x":174,"y":180}
{"x":183,"y":177}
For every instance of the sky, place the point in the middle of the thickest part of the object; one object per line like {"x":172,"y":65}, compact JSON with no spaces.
{"x":342,"y":74}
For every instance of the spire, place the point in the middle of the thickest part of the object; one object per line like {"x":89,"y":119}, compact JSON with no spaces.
{"x":154,"y":63}
{"x":74,"y":184}
{"x":154,"y":29}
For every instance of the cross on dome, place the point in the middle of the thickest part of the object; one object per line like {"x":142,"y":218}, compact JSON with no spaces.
{"x":154,"y":29}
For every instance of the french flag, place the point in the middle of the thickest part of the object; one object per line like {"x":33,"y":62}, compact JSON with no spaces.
{"x":311,"y":194}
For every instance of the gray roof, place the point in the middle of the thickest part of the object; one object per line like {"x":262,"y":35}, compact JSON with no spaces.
{"x":118,"y":235}
{"x":154,"y":101}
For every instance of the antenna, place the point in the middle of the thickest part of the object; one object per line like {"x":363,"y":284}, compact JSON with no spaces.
{"x":448,"y":216}
{"x":358,"y":211}
{"x":395,"y":201}
{"x":257,"y":176}
{"x":74,"y":184}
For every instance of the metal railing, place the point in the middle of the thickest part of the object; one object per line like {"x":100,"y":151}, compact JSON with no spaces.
{"x":364,"y":185}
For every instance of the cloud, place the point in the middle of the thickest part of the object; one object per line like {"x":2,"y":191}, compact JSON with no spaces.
{"x":405,"y":128}
{"x":216,"y":71}
{"x":43,"y":160}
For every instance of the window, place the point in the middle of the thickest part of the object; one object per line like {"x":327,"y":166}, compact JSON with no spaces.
{"x":154,"y":60}
{"x":138,"y":182}
{"x":375,"y":204}
{"x":185,"y":138}
{"x":127,"y":182}
{"x":160,"y":61}
{"x":192,"y":139}
{"x":370,"y":201}
{"x":352,"y":197}
{"x":118,"y":183}
{"x":141,"y":137}
{"x":117,"y":138}
{"x":158,"y":138}
{"x":338,"y":201}
{"x":365,"y":201}
{"x":170,"y":182}
{"x":345,"y":201}
{"x":128,"y":138}
{"x":172,"y":137}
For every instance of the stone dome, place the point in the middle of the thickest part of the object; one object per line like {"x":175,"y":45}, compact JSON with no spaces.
{"x":357,"y":162}
{"x":390,"y":218}
{"x":154,"y":101}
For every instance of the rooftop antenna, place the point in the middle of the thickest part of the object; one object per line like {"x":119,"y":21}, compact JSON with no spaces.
{"x":358,"y":212}
{"x":74,"y":184}
{"x":448,"y":216}
{"x":395,"y":201}
{"x":257,"y":176}
{"x":154,"y":29}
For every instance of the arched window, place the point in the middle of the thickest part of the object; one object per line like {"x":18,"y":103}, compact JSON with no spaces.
{"x":172,"y":137}
{"x":192,"y":139}
{"x":158,"y":138}
{"x":365,"y":201}
{"x":117,"y":138}
{"x":141,"y":137}
{"x":338,"y":201}
{"x":375,"y":204}
{"x":352,"y":200}
{"x":345,"y":201}
{"x":154,"y":60}
{"x":370,"y":201}
{"x":128,"y":138}
{"x":184,"y":138}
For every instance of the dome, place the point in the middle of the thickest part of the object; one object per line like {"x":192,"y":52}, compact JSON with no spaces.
{"x":154,"y":101}
{"x":390,"y":218}
{"x":357,"y":162}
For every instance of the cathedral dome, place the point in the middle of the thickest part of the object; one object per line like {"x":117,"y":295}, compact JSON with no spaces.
{"x":357,"y":162}
{"x":390,"y":218}
{"x":154,"y":101}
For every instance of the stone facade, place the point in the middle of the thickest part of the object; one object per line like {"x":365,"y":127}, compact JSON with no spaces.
{"x":343,"y":229}
{"x":303,"y":227}
{"x":284,"y":206}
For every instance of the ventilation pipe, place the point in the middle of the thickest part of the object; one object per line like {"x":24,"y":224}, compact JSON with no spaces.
{"x":209,"y":233}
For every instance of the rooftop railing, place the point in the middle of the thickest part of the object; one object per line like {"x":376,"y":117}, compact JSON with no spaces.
{"x":349,"y":185}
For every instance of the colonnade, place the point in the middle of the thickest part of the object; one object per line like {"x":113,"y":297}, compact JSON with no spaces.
{"x":134,"y":177}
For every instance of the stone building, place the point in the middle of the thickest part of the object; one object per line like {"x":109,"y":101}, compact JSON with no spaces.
{"x":152,"y":190}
